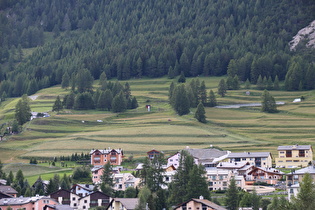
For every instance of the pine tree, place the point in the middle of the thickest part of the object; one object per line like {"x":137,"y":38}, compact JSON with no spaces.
{"x":203,"y":93}
{"x":200,"y":113}
{"x":65,"y":80}
{"x":134,"y":103}
{"x":23,"y":110}
{"x":171,"y":73}
{"x":107,"y":176}
{"x":247,"y":84}
{"x":235,"y":83}
{"x":222,"y":88}
{"x":212,"y":99}
{"x":231,"y":197}
{"x":306,"y":197}
{"x":181,"y":100}
{"x":57,"y":105}
{"x":276,"y":85}
{"x":260,"y":83}
{"x":181,"y":78}
{"x":268,"y":103}
{"x":103,"y":78}
{"x":119,"y":103}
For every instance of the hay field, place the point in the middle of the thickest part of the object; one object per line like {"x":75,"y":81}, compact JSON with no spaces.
{"x":138,"y":131}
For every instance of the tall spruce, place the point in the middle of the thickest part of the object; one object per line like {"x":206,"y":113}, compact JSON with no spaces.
{"x":212,"y":99}
{"x":200,"y":113}
{"x":181,"y":100}
{"x":306,"y":197}
{"x":222,"y":88}
{"x":57,"y":105}
{"x":23,"y":110}
{"x":231,"y":196}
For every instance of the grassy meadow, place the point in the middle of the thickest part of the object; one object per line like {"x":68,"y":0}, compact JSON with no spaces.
{"x":138,"y":131}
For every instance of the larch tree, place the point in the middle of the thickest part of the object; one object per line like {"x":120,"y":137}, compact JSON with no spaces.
{"x":23,"y":110}
{"x":306,"y":197}
{"x":231,"y":198}
{"x":222,"y":88}
{"x":57,"y":105}
{"x":268,"y":103}
{"x":181,"y":100}
{"x":200,"y":113}
{"x":212,"y":99}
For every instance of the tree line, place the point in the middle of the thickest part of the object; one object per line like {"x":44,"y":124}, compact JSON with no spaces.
{"x":142,"y":38}
{"x":111,"y":96}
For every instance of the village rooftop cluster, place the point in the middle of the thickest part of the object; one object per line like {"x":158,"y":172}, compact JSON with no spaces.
{"x":246,"y":168}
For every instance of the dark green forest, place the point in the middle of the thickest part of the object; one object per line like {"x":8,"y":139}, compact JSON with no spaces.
{"x":145,"y":38}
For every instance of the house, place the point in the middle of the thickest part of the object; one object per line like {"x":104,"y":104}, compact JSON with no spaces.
{"x":37,"y":202}
{"x":295,"y":177}
{"x":3,"y":182}
{"x":207,"y":157}
{"x":101,"y":157}
{"x":293,"y":191}
{"x":202,"y":204}
{"x":57,"y":207}
{"x":219,"y":179}
{"x":293,"y":156}
{"x":123,"y":204}
{"x":81,"y":200}
{"x":82,"y":189}
{"x":93,"y":200}
{"x":8,"y":190}
{"x":97,"y":172}
{"x":64,"y":197}
{"x":258,"y":159}
{"x":152,"y":153}
{"x":124,"y":180}
{"x":174,"y":160}
{"x":267,"y":175}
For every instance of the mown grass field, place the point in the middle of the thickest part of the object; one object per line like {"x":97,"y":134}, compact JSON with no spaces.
{"x":138,"y":131}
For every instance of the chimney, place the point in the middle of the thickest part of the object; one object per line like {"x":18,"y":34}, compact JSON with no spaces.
{"x":201,"y":197}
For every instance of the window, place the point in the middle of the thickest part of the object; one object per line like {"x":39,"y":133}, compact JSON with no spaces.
{"x":282,"y":152}
{"x":221,"y":177}
{"x":73,"y":198}
{"x":84,"y":207}
{"x":171,"y":160}
{"x":243,"y":158}
{"x":85,"y":201}
{"x":214,"y":177}
{"x":237,"y":159}
{"x":296,"y":161}
{"x":210,"y":183}
{"x":74,"y":204}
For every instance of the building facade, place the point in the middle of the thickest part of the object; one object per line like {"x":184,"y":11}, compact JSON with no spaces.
{"x":258,"y":159}
{"x":294,"y":156}
{"x":101,"y":157}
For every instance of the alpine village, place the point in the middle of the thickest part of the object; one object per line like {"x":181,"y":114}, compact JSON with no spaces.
{"x":157,"y":105}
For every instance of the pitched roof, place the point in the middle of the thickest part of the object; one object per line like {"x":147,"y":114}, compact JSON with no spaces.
{"x":206,"y":154}
{"x":309,"y":169}
{"x":128,"y":203}
{"x":235,"y":165}
{"x":21,"y":200}
{"x":268,"y":170}
{"x":59,"y":207}
{"x":248,"y":154}
{"x":7,"y":189}
{"x":106,"y":151}
{"x":205,"y":202}
{"x":295,"y":147}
